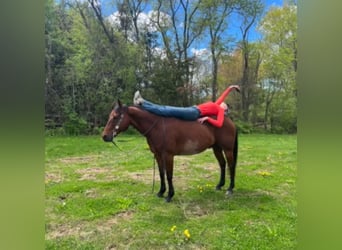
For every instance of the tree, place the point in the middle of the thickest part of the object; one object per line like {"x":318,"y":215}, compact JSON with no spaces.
{"x":177,"y":40}
{"x":279,"y":27}
{"x":56,"y":53}
{"x":215,"y":19}
{"x":96,"y":6}
{"x":250,"y":10}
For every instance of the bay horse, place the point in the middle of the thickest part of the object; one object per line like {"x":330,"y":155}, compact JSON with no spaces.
{"x":167,"y":137}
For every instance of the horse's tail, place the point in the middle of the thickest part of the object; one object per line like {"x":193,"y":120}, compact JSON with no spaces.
{"x":235,"y":151}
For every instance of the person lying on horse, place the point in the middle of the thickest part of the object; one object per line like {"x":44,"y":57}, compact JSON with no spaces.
{"x":201,"y":112}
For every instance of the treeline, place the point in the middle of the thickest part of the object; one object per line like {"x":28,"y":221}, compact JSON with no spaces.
{"x":93,"y":58}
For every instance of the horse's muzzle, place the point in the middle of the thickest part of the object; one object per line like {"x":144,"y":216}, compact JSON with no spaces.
{"x":107,"y":138}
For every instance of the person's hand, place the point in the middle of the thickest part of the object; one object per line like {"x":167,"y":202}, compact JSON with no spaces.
{"x":237,"y":87}
{"x":202,"y":119}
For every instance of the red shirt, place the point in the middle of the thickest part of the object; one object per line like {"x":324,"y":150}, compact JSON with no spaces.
{"x":213,"y":108}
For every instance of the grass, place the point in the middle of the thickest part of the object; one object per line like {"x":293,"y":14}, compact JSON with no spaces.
{"x":100,"y":197}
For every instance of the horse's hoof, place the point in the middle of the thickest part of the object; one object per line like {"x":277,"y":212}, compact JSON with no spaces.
{"x":218,"y":187}
{"x":160,"y":195}
{"x":168,"y":199}
{"x":229,"y":193}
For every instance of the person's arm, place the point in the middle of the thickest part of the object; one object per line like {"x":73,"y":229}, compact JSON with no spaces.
{"x":217,"y":123}
{"x":226,"y":92}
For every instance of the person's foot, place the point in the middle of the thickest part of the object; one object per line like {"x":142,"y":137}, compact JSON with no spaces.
{"x":137,"y":99}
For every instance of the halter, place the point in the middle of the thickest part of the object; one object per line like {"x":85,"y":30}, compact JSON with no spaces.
{"x":115,"y":130}
{"x":117,"y":126}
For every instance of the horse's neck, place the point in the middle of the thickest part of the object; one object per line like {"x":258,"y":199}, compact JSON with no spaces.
{"x":141,"y":120}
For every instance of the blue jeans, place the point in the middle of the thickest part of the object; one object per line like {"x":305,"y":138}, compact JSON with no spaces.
{"x":188,"y":113}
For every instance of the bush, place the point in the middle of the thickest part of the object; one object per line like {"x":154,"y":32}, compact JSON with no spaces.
{"x":75,"y":125}
{"x":283,"y":125}
{"x":55,"y":131}
{"x":243,"y":127}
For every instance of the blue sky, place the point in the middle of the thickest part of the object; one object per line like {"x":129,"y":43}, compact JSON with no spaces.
{"x":108,"y":8}
{"x":274,"y":2}
{"x":254,"y":35}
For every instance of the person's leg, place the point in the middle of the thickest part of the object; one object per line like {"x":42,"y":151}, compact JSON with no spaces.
{"x":188,"y":113}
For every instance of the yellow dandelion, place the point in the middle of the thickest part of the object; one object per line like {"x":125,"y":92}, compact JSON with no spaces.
{"x":173,"y":228}
{"x":264,"y":173}
{"x":187,"y":233}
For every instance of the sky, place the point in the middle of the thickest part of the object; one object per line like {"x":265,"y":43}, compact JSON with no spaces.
{"x":234,"y":30}
{"x":108,"y":8}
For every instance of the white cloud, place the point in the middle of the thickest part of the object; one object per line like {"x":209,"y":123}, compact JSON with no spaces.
{"x":146,"y":21}
{"x":114,"y":19}
{"x":159,"y":52}
{"x":200,"y":52}
{"x":164,"y":19}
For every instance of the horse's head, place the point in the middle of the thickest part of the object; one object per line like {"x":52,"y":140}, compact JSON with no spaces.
{"x":118,"y":122}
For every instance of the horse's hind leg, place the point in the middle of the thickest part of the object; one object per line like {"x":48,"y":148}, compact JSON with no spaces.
{"x":222,"y":162}
{"x":231,"y":166}
{"x":231,"y":156}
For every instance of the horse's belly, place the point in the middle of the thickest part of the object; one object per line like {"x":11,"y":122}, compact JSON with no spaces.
{"x":191,"y":147}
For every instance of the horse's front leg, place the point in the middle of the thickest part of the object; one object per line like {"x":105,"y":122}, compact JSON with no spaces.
{"x":169,"y":175}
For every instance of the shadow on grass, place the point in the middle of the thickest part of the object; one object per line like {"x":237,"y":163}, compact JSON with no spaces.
{"x":208,"y":201}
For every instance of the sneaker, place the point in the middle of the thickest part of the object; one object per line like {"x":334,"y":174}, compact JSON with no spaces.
{"x":137,"y":99}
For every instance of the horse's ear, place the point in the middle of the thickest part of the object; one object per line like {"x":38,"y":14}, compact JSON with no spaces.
{"x":119,"y":103}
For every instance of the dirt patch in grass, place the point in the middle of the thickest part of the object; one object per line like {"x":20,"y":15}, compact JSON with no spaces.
{"x":195,"y":211}
{"x":79,"y":159}
{"x":93,"y":173}
{"x":64,"y":231}
{"x":144,"y":176}
{"x":115,"y":220}
{"x":86,"y":229}
{"x":53,"y":177}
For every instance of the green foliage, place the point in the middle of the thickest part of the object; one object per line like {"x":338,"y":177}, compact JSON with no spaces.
{"x":55,"y":131}
{"x":243,"y":127}
{"x":75,"y":125}
{"x":284,"y":117}
{"x":279,"y":68}
{"x":98,"y":197}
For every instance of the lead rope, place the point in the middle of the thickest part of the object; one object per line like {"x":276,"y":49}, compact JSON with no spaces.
{"x":163,"y":155}
{"x":116,"y":145}
{"x":144,"y":134}
{"x":154,"y":168}
{"x":154,"y":173}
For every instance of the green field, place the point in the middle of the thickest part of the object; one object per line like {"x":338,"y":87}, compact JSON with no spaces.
{"x":100,"y":197}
